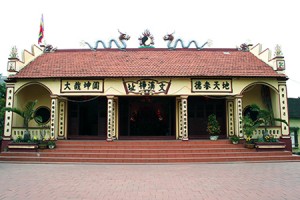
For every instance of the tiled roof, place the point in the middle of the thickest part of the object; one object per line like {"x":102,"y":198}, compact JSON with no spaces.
{"x":294,"y":107}
{"x":147,"y":63}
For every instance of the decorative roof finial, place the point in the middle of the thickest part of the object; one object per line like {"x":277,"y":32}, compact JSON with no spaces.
{"x":278,"y":51}
{"x":14,"y":52}
{"x":146,"y":40}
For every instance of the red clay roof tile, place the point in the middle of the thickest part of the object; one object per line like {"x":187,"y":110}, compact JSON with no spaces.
{"x":147,"y":63}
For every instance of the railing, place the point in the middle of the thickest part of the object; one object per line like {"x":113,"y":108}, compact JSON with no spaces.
{"x":38,"y":132}
{"x":275,"y":130}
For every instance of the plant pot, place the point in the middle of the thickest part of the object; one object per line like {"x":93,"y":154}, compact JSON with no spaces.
{"x":249,"y":146}
{"x":43,"y":146}
{"x":214,"y":137}
{"x":51,"y":146}
{"x":22,"y":147}
{"x":270,"y":146}
{"x":235,"y":142}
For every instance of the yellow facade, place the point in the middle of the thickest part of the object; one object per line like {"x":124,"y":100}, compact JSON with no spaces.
{"x":235,"y":94}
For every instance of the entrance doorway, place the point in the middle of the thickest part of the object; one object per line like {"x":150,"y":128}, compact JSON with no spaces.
{"x":87,"y":117}
{"x":147,"y":117}
{"x":199,"y":108}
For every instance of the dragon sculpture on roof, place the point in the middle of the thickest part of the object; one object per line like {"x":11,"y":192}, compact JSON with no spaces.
{"x":123,"y":37}
{"x":170,"y":38}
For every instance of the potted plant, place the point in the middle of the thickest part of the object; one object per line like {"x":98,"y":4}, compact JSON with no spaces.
{"x":43,"y":144}
{"x":51,"y":143}
{"x":213,"y":127}
{"x":21,"y":144}
{"x":269,"y":143}
{"x":234,"y":139}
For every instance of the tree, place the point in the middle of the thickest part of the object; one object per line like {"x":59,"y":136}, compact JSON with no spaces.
{"x":265,"y":117}
{"x":2,"y":105}
{"x":248,"y":127}
{"x":28,"y":114}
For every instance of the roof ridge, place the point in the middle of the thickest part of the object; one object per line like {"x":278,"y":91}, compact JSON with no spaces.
{"x":150,"y":49}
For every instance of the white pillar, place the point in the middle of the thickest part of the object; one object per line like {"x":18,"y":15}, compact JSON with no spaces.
{"x":62,"y":119}
{"x":230,"y":118}
{"x":178,"y":118}
{"x":283,"y":110}
{"x":116,"y":118}
{"x":54,"y":117}
{"x":111,"y":134}
{"x":184,"y":118}
{"x":238,"y":116}
{"x":8,"y":115}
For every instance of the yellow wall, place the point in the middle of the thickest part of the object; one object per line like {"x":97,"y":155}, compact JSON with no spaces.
{"x":42,"y":89}
{"x":30,"y":93}
{"x":179,"y":86}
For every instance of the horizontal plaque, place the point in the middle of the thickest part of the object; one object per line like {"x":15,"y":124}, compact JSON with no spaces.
{"x":87,"y":85}
{"x":146,"y":86}
{"x":212,"y":85}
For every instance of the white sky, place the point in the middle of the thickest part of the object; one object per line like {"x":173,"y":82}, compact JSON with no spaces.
{"x":227,"y":23}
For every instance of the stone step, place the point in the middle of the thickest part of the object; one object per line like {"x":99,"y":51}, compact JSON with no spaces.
{"x":143,"y":154}
{"x":143,"y":142}
{"x":152,"y":150}
{"x":146,"y":152}
{"x":148,"y":160}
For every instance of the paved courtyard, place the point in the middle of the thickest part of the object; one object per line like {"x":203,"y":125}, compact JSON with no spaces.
{"x":162,"y":181}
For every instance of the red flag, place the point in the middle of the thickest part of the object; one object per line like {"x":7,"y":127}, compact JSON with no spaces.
{"x":41,"y":34}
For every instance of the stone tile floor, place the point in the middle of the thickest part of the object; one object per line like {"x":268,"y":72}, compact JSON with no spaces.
{"x":151,"y":181}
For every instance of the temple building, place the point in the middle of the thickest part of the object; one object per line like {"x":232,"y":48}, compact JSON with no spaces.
{"x":145,"y":93}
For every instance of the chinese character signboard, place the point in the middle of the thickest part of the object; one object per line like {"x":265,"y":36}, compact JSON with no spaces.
{"x":212,"y":85}
{"x":81,"y":86}
{"x":146,"y":86}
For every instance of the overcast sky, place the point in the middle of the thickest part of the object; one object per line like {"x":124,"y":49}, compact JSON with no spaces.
{"x":227,"y":23}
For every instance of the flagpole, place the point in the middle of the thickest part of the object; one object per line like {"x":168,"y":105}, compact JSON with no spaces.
{"x":41,"y":32}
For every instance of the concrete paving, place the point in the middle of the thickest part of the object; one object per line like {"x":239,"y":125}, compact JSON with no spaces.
{"x":149,"y":181}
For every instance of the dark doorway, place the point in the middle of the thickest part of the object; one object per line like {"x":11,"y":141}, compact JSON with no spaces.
{"x":199,"y":108}
{"x":147,"y":117}
{"x":87,"y":117}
